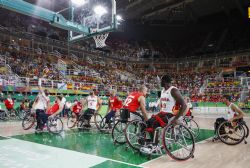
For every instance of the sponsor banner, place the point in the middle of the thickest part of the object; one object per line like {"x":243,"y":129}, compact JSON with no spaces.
{"x":62,"y":86}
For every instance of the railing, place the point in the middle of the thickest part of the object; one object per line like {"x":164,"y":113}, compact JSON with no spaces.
{"x":6,"y":80}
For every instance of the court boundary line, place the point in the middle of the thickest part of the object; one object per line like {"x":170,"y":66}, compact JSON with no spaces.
{"x":130,"y":164}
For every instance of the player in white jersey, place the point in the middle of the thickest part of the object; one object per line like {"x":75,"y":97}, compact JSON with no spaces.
{"x":170,"y":96}
{"x":93,"y":104}
{"x":234,"y":113}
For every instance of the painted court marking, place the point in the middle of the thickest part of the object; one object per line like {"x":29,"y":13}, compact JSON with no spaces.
{"x":25,"y":154}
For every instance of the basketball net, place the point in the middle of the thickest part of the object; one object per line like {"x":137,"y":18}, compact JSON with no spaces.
{"x":100,"y":40}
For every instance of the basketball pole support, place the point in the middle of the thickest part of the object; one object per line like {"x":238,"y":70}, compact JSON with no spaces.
{"x":54,"y":18}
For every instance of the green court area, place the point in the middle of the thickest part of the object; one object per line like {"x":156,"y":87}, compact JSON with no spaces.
{"x":2,"y":138}
{"x":95,"y":144}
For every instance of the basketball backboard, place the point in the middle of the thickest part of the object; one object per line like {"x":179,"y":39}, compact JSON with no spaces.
{"x":99,"y":16}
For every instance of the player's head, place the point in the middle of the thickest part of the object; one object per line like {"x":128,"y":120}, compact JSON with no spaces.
{"x":92,"y":92}
{"x":166,"y":81}
{"x":82,"y":100}
{"x":9,"y":96}
{"x":226,"y":99}
{"x":46,"y":92}
{"x":143,"y":89}
{"x":58,"y":99}
{"x":112,"y":92}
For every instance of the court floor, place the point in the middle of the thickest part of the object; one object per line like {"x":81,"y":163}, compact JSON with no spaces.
{"x":24,"y":149}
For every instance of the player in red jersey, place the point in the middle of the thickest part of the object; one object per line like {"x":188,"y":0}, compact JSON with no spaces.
{"x":9,"y":103}
{"x":114,"y":105}
{"x":136,"y":100}
{"x":77,"y":107}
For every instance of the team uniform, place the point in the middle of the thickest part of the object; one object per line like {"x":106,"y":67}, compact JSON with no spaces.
{"x":9,"y":104}
{"x":92,"y":107}
{"x":168,"y":107}
{"x":77,"y":108}
{"x":115,"y":104}
{"x":132,"y":105}
{"x":190,"y":106}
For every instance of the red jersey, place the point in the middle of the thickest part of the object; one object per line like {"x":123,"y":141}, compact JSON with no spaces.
{"x":53,"y":109}
{"x":9,"y":104}
{"x":77,"y":108}
{"x":114,"y":103}
{"x":132,"y":103}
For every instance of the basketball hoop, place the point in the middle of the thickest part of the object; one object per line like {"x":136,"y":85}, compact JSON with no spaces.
{"x":100,"y":40}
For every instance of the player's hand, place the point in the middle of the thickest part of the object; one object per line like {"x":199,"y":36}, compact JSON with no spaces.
{"x":51,"y":117}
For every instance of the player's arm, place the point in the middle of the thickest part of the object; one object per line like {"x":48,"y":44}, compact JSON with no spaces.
{"x":109,"y":107}
{"x":71,"y":108}
{"x":35,"y":102}
{"x":159,"y":104}
{"x":142,"y":101}
{"x":58,"y":111}
{"x":179,"y":100}
{"x":40,"y":85}
{"x":239,"y":111}
{"x":85,"y":102}
{"x":99,"y":104}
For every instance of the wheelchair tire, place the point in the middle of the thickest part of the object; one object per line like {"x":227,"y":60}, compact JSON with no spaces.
{"x":171,"y":137}
{"x":193,"y":127}
{"x":28,"y":121}
{"x":135,"y":134}
{"x":72,"y":120}
{"x":118,"y":135}
{"x":225,"y":132}
{"x":246,"y":129}
{"x":55,"y":125}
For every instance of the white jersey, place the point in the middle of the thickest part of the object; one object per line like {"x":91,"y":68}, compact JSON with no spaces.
{"x":167,"y":100}
{"x":42,"y":101}
{"x":92,"y":102}
{"x":230,"y":112}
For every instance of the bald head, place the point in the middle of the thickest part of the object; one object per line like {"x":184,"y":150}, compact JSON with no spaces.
{"x":143,"y":89}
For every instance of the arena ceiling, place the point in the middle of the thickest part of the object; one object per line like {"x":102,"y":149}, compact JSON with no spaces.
{"x":163,"y":11}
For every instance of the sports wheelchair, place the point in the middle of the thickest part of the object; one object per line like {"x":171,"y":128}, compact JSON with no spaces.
{"x":231,"y":133}
{"x":176,"y":140}
{"x":54,"y":125}
{"x":80,"y":120}
{"x":118,"y":129}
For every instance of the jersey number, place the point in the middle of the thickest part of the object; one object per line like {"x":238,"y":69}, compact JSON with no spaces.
{"x":128,"y":101}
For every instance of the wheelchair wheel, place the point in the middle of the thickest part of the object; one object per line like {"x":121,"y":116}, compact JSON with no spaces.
{"x":55,"y":125}
{"x":246,"y":129}
{"x":98,"y":119}
{"x":22,"y":113}
{"x":135,"y":134}
{"x":175,"y":143}
{"x":192,"y":126}
{"x":72,"y":120}
{"x":229,"y":134}
{"x":118,"y":133}
{"x":13,"y":114}
{"x":80,"y":121}
{"x":28,"y":121}
{"x":103,"y":124}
